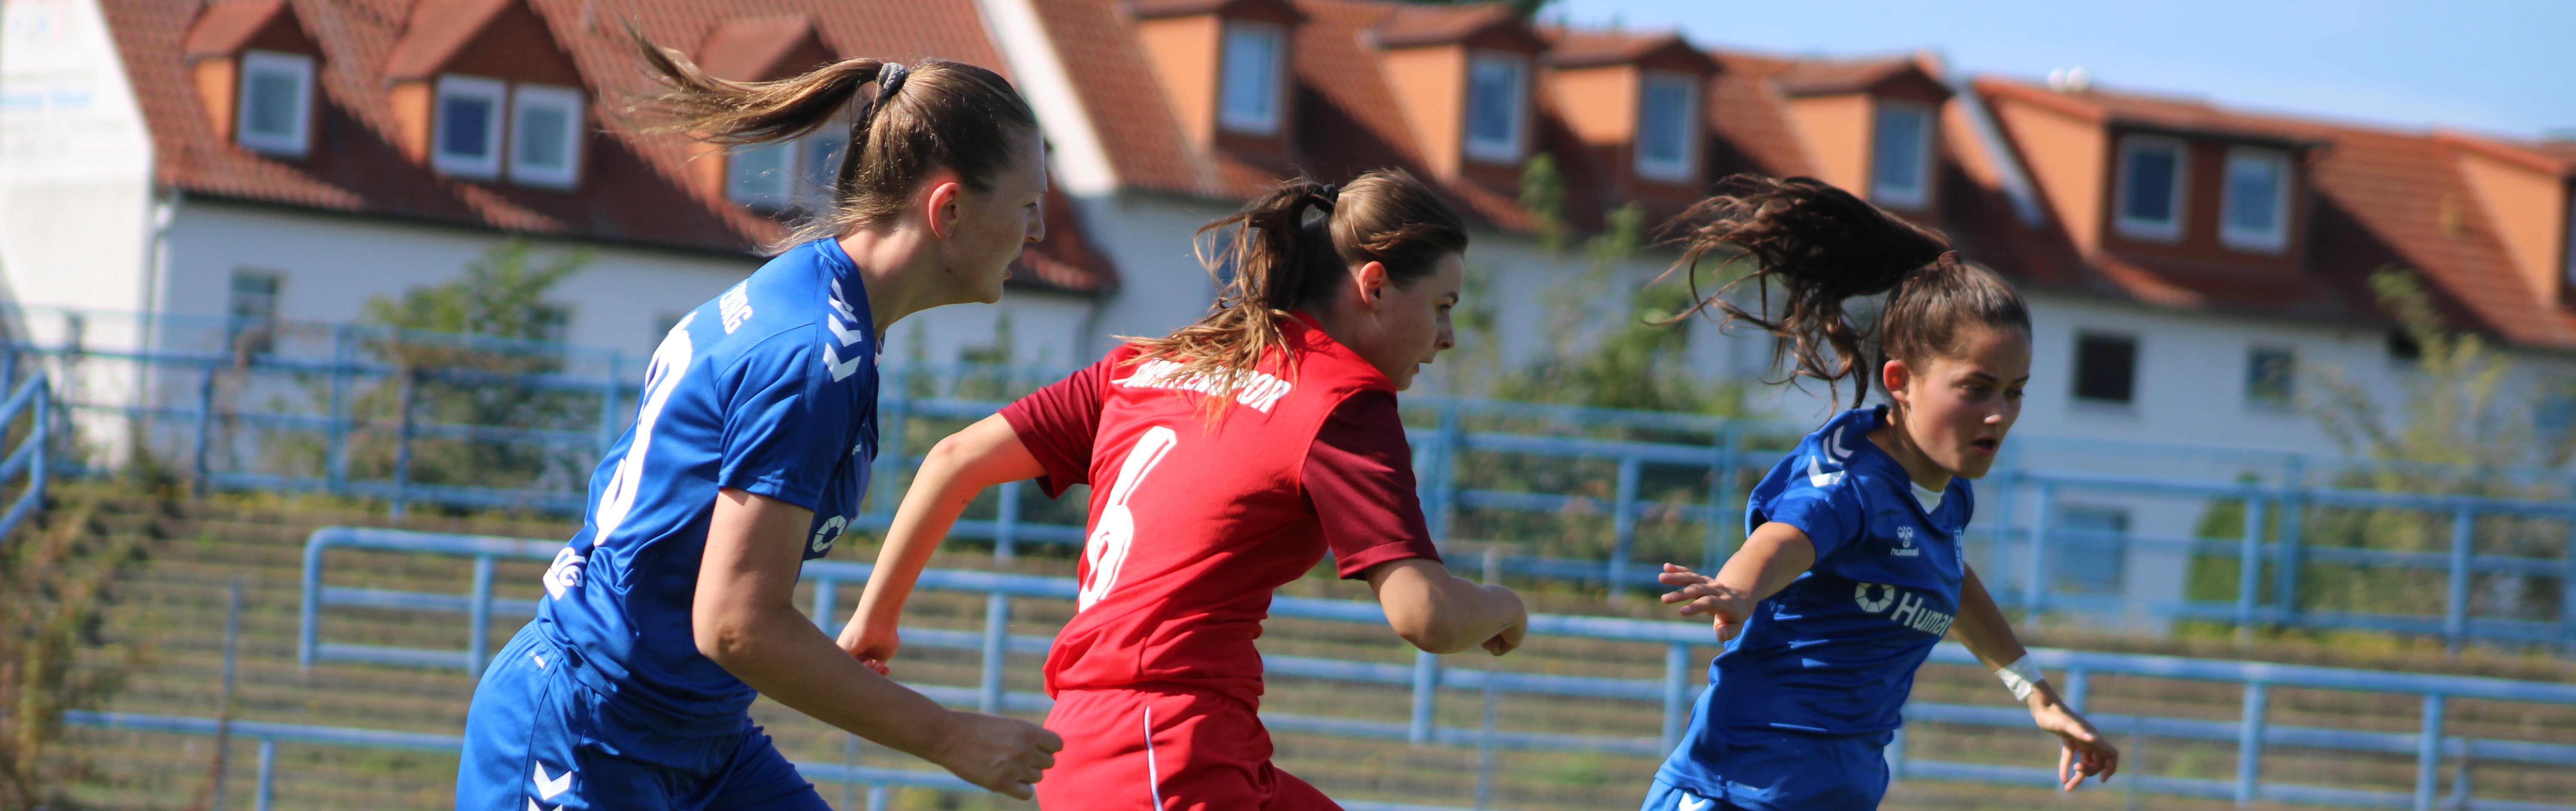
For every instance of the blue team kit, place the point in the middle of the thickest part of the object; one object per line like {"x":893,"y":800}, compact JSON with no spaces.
{"x":603,"y":701}
{"x":1800,"y":705}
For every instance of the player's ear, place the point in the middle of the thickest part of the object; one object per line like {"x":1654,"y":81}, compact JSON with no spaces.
{"x":1894,"y":377}
{"x":1370,"y":281}
{"x":940,"y":205}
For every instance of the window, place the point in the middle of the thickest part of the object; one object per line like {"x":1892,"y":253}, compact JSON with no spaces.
{"x":467,"y":133}
{"x":545,"y":135}
{"x":2255,"y":212}
{"x":822,"y":154}
{"x":276,"y":114}
{"x":1249,"y":89}
{"x":2151,"y":188}
{"x":2271,"y":377}
{"x":758,"y":176}
{"x":253,"y":311}
{"x":2092,"y":551}
{"x":1667,"y":123}
{"x":2106,"y":368}
{"x":1900,"y":154}
{"x":550,"y":323}
{"x":1497,"y":87}
{"x":2402,"y":346}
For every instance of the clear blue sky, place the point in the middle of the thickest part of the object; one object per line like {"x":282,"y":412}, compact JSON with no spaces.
{"x":2496,"y":66}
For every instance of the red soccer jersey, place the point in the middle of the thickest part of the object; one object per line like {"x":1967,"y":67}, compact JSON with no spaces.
{"x":1194,"y":523}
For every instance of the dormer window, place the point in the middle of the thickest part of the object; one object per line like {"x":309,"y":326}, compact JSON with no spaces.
{"x":1249,"y":85}
{"x":276,"y":103}
{"x":1497,"y":117}
{"x":1901,"y":154}
{"x":1667,"y":117}
{"x":2149,"y":202}
{"x":776,"y":176}
{"x":545,"y":135}
{"x":2254,"y":215}
{"x":467,"y":138}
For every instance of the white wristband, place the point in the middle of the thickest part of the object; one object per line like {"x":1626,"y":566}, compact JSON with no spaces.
{"x":2020,"y":677}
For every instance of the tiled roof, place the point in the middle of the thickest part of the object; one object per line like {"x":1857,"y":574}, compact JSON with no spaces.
{"x":1408,"y":25}
{"x":2382,"y":198}
{"x":1816,"y":76}
{"x":635,"y":188}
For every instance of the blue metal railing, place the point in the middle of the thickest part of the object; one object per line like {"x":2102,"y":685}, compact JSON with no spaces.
{"x":2252,"y":733}
{"x":33,"y":398}
{"x":204,"y":408}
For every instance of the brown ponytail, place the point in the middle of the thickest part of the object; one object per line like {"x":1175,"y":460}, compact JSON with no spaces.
{"x":934,"y":115}
{"x":1819,"y":245}
{"x":1273,"y":259}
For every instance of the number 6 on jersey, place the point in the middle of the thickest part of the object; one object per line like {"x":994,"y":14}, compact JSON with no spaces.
{"x":1106,"y":549}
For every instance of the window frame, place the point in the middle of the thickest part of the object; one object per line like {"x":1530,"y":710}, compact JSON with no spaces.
{"x":297,"y":143}
{"x":572,"y":103}
{"x":2276,"y":240}
{"x":791,"y":154}
{"x":238,"y":323}
{"x":1509,"y":150}
{"x":494,"y":91}
{"x":1682,"y":168}
{"x":2172,"y":229}
{"x":2076,"y":389}
{"x":1274,"y":96}
{"x":1921,"y":195}
{"x":2289,"y":394}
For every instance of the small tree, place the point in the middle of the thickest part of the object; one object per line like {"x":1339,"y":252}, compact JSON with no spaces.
{"x":54,"y":598}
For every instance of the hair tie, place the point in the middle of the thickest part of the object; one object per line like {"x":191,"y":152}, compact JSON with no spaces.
{"x":1332,"y":193}
{"x":890,"y":78}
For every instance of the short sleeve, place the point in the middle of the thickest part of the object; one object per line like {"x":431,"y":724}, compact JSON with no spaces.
{"x":1359,"y":480}
{"x":788,"y":420}
{"x":1831,"y":516}
{"x":1057,"y":424}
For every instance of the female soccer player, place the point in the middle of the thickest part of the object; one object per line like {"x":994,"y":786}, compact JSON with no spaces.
{"x":1852,"y":568}
{"x":1224,"y":460}
{"x":750,"y":449}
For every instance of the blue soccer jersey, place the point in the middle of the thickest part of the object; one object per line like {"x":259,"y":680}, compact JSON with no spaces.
{"x":1834,"y":653}
{"x":770,"y":389}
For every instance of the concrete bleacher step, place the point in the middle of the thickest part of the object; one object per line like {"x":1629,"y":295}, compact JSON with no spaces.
{"x":176,"y":604}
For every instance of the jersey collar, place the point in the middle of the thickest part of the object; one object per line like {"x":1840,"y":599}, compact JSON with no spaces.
{"x":1857,"y":450}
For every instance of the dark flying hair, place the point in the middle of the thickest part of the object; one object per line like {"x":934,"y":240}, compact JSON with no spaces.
{"x":1272,"y":258}
{"x":934,"y":115}
{"x":1819,"y":246}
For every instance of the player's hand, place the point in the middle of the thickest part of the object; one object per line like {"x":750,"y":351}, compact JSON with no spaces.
{"x":1003,"y":755}
{"x":1510,"y":637}
{"x":873,"y":647}
{"x":1700,"y":594}
{"x":2083,"y":752}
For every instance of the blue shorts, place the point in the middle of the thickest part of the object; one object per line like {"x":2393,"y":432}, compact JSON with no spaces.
{"x":1775,"y":771}
{"x":538,"y":738}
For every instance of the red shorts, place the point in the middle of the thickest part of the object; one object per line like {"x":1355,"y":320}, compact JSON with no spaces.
{"x":1167,"y":749}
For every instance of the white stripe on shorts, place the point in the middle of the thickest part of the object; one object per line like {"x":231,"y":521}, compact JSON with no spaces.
{"x":1153,"y":779}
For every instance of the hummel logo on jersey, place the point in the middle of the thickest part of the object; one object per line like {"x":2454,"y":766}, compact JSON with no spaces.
{"x":1912,"y":611}
{"x":1905,"y":547}
{"x":565,"y":574}
{"x":1690,"y":803}
{"x":548,"y":787}
{"x":736,"y":306}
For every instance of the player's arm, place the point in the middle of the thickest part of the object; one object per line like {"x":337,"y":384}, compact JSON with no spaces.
{"x":1444,"y":613}
{"x":1770,"y":558}
{"x":987,"y":453}
{"x":744,"y":617}
{"x":1982,"y":628}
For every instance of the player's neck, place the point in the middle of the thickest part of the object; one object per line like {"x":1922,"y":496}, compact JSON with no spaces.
{"x":1900,"y":446}
{"x":900,"y":271}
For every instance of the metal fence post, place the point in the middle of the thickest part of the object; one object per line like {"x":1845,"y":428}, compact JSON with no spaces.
{"x":2428,"y":753}
{"x":2249,"y":742}
{"x":308,"y":620}
{"x":2249,"y":572}
{"x":267,"y":797}
{"x":1623,"y":526}
{"x":1999,"y":537}
{"x":2079,"y":686}
{"x":402,"y":443}
{"x":335,"y":444}
{"x":205,"y":427}
{"x":2455,"y":613}
{"x":1426,"y":688}
{"x":2285,"y":563}
{"x":997,"y":629}
{"x":479,"y":638}
{"x":2035,"y":568}
{"x":1676,"y":692}
{"x":1721,"y":495}
{"x":1006,"y":525}
{"x":826,"y":598}
{"x":887,"y":480}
